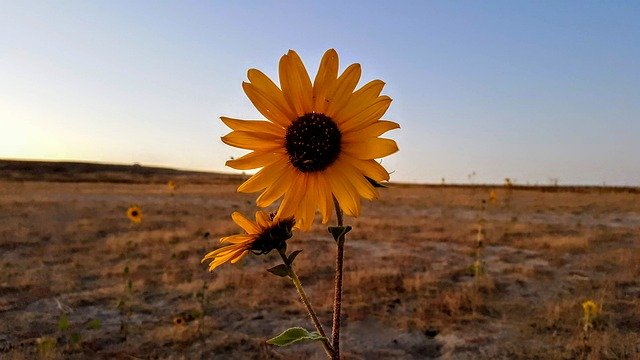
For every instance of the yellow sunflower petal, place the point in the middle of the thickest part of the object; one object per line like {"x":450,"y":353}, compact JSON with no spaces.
{"x":266,"y":106}
{"x":296,"y":85}
{"x":325,"y":199}
{"x":239,"y":257}
{"x":238,"y":239}
{"x":314,"y":198}
{"x":371,"y":148}
{"x":344,"y":191}
{"x":367,"y":116}
{"x":214,"y":264}
{"x":223,"y":251}
{"x":253,"y":126}
{"x":325,"y":79}
{"x":307,"y":207}
{"x":369,"y":168}
{"x":292,"y":198}
{"x":360,"y":183}
{"x":212,"y":254}
{"x":226,"y":250}
{"x":266,"y":176}
{"x":245,"y":223}
{"x":219,"y":260}
{"x":253,"y":160}
{"x":277,"y":188}
{"x":374,"y":130}
{"x":341,"y":93}
{"x":361,"y":99}
{"x":370,"y":90}
{"x":253,"y":140}
{"x":262,"y":219}
{"x":271,"y":91}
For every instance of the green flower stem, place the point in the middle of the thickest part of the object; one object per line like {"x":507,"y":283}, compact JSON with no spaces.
{"x":337,"y":300}
{"x":303,"y":296}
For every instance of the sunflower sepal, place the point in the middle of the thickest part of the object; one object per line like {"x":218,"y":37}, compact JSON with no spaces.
{"x":281,"y":270}
{"x":338,"y":232}
{"x":294,"y":335}
{"x":292,"y":257}
{"x":374,"y":183}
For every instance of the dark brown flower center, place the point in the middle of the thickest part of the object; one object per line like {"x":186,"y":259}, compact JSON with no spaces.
{"x":274,"y":237}
{"x":313,"y":142}
{"x":134,"y":213}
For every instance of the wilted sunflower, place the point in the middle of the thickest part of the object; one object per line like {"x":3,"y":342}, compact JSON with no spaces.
{"x":171,"y":185}
{"x":320,"y":141}
{"x":134,"y":213}
{"x":261,"y":237}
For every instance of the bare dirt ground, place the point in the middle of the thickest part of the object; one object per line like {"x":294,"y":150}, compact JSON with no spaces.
{"x":79,"y":281}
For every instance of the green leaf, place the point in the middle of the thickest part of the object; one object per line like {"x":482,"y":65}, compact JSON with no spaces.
{"x":94,"y":324}
{"x":281,"y":270}
{"x":293,"y":335}
{"x":74,"y":338}
{"x":46,"y":344}
{"x":292,"y":256}
{"x":196,"y":314}
{"x":63,"y":322}
{"x":338,"y":231}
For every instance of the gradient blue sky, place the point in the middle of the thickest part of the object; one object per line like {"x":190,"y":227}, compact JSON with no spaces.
{"x":526,"y":90}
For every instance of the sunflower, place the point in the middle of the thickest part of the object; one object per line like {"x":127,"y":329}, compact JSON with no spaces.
{"x":171,"y":185}
{"x":261,"y":237}
{"x":590,"y":309}
{"x":134,"y":213}
{"x":493,"y":197}
{"x":320,"y":141}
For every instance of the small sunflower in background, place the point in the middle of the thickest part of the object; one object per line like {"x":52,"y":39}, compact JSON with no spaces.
{"x":320,"y":141}
{"x":171,"y":185}
{"x":591,"y":312}
{"x":134,"y":213}
{"x":493,"y":197}
{"x":262,"y":236}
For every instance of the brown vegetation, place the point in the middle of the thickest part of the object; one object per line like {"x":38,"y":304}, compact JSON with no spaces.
{"x":78,"y":280}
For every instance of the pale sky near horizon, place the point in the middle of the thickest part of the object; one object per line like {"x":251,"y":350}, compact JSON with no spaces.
{"x":527,"y":90}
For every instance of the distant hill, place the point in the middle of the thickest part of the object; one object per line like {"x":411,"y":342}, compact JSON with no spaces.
{"x":24,"y":170}
{"x":21,"y":170}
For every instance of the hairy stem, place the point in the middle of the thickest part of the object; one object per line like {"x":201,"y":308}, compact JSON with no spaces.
{"x":303,"y":296}
{"x":337,"y":300}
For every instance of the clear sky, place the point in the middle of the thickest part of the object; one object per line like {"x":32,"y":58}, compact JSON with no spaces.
{"x":528,"y":90}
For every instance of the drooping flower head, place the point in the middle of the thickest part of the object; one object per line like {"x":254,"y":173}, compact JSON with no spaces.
{"x":320,"y":141}
{"x":261,"y":237}
{"x":134,"y":213}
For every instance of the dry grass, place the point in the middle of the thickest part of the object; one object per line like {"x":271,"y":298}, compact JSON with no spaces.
{"x":409,"y":291}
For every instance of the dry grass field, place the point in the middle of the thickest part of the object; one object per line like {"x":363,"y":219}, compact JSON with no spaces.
{"x":79,"y":281}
